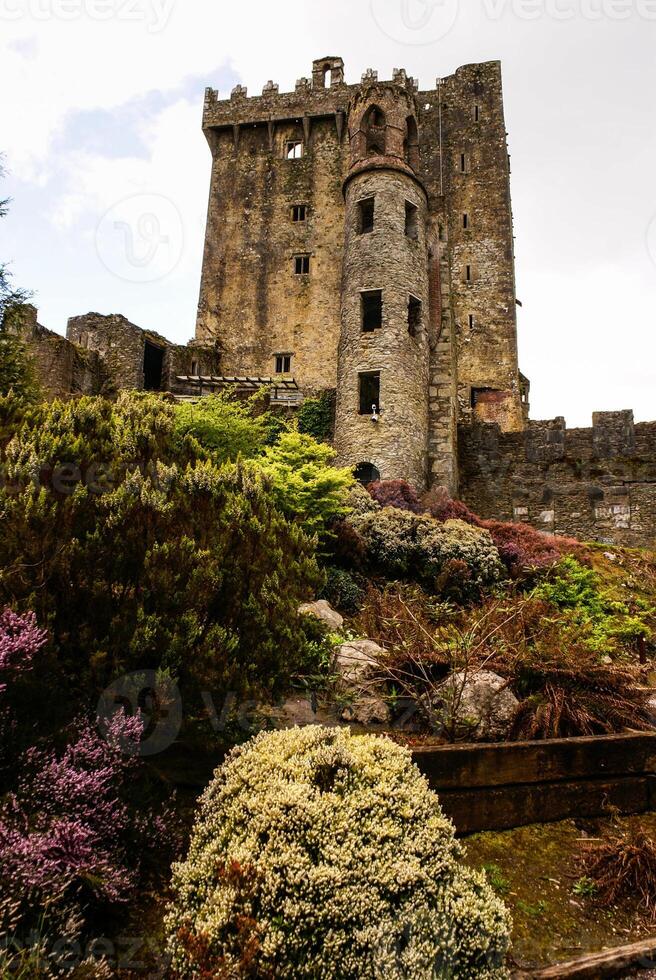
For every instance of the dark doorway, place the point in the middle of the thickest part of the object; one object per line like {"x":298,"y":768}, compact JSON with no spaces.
{"x":366,"y":473}
{"x":152,"y":366}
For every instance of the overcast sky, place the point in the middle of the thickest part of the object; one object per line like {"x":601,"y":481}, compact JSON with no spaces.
{"x":100,"y":124}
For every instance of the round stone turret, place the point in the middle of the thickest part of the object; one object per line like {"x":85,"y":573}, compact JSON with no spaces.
{"x":382,"y":390}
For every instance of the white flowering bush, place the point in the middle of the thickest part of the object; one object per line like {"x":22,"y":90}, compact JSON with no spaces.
{"x":321,"y":854}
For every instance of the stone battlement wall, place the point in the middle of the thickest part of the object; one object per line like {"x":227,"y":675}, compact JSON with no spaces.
{"x":596,"y":483}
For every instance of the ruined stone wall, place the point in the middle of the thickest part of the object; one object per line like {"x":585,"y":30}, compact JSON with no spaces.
{"x":61,"y":368}
{"x":595,"y":484}
{"x":119,"y":343}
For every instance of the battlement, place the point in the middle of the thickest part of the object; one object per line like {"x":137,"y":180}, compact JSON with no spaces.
{"x":312,"y":97}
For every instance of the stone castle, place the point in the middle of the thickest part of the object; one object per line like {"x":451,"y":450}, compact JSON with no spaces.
{"x":360,"y":243}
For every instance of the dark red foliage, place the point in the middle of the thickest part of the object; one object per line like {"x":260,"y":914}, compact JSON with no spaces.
{"x":439,"y":505}
{"x":396,"y":493}
{"x":520,"y":546}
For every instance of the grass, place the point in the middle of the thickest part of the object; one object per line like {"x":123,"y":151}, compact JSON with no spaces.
{"x":557,"y":914}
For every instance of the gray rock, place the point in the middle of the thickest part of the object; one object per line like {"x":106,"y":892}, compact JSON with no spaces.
{"x":478,"y":704}
{"x":357,"y":661}
{"x":367,"y":711}
{"x":324,"y":611}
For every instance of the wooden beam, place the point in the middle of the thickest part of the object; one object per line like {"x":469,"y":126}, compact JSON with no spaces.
{"x":504,"y":763}
{"x":597,"y":966}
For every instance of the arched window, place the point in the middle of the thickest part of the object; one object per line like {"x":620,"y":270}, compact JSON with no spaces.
{"x":374,"y":125}
{"x":327,"y":75}
{"x":366,"y":473}
{"x":411,"y":142}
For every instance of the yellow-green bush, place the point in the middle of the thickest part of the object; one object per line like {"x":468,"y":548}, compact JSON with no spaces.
{"x":317,"y":853}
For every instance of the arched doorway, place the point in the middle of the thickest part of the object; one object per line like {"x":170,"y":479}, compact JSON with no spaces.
{"x":366,"y":473}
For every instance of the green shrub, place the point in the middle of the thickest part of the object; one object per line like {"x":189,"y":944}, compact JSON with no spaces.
{"x":305,"y":484}
{"x":450,"y":556}
{"x":224,"y":426}
{"x":315,"y":417}
{"x":590,"y":613}
{"x":341,"y":590}
{"x":317,"y":853}
{"x":360,"y":500}
{"x":135,"y":560}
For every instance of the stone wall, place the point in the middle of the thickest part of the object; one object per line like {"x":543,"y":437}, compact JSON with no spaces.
{"x":251,"y":300}
{"x":387,"y":260}
{"x":595,"y":484}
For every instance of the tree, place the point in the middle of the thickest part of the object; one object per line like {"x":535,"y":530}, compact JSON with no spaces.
{"x":16,"y":373}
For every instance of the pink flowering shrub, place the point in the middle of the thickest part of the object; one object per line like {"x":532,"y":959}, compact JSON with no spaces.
{"x":20,"y":640}
{"x":72,"y":839}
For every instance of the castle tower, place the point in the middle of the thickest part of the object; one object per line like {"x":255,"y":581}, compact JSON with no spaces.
{"x":383,"y":358}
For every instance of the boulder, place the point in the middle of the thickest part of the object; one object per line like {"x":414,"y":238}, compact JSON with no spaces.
{"x":324,"y":611}
{"x":367,"y":711}
{"x":356,"y":661}
{"x":478,"y":704}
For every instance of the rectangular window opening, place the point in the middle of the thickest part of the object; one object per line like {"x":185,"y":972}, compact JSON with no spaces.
{"x":465,"y":221}
{"x":366,"y":216}
{"x":411,"y":220}
{"x":414,"y":316}
{"x":471,"y":321}
{"x":463,"y":163}
{"x":468,"y":273}
{"x":301,"y":265}
{"x":299,"y":212}
{"x":477,"y":113}
{"x":283,"y":363}
{"x":369,"y":382}
{"x":372,"y":310}
{"x":293,"y":149}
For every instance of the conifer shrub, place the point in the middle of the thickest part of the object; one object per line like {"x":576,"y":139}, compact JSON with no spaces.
{"x":305,"y":484}
{"x":317,"y":853}
{"x":446,"y":556}
{"x":225,"y":427}
{"x":342,"y":590}
{"x":135,"y":557}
